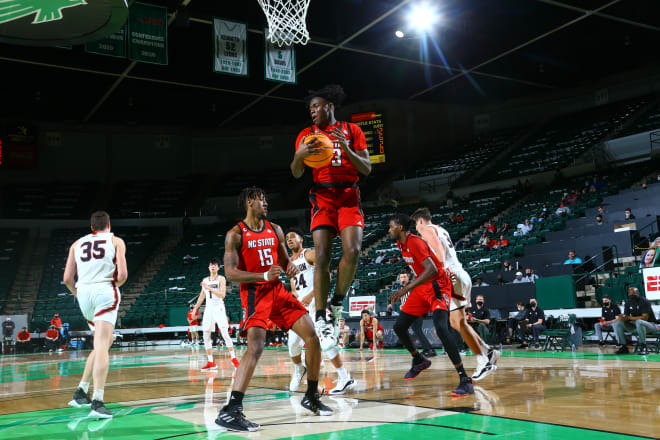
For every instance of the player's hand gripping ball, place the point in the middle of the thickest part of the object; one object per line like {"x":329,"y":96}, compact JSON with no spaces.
{"x":325,"y":153}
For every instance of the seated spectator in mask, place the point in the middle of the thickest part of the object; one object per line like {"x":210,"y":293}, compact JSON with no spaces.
{"x":504,"y":227}
{"x":503,"y":242}
{"x":629,"y":215}
{"x":490,"y":227}
{"x":506,"y":266}
{"x":459,"y":218}
{"x":484,"y":240}
{"x":599,"y":220}
{"x":608,"y":316}
{"x":480,"y":283}
{"x":533,"y":323}
{"x":519,"y":278}
{"x":530,"y":276}
{"x":23,"y":341}
{"x":637,"y":315}
{"x":479,"y":318}
{"x":524,"y":228}
{"x":512,"y":322}
{"x":562,"y":210}
{"x":53,"y":339}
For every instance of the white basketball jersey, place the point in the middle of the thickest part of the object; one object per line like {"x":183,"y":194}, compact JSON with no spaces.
{"x":304,"y":281}
{"x":451,"y":259}
{"x":211,"y":299}
{"x":95,"y":258}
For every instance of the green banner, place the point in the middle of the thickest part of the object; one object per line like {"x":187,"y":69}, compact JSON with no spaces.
{"x":279,"y":62}
{"x":230,"y":53}
{"x":147,"y":33}
{"x":113,"y":45}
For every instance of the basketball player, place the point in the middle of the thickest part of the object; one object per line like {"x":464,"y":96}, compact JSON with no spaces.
{"x":99,"y":259}
{"x":255,"y":255}
{"x":335,"y":199}
{"x":193,"y":323}
{"x":367,"y":325}
{"x":214,"y":290}
{"x":429,"y":291}
{"x":439,"y":241}
{"x":303,"y":289}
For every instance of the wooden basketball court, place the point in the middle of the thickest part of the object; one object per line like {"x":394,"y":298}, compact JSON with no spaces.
{"x":159,"y":393}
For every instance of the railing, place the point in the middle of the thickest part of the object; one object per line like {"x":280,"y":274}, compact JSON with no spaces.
{"x":587,"y":274}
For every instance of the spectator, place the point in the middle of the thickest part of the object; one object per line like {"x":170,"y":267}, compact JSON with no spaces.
{"x":607,"y":318}
{"x":524,"y":228}
{"x":649,"y":258}
{"x":629,"y":214}
{"x":530,"y":276}
{"x":562,"y":210}
{"x":490,"y":227}
{"x":8,"y":328}
{"x":601,"y":211}
{"x":52,"y":339}
{"x":344,"y":332}
{"x":503,"y":228}
{"x":503,"y":242}
{"x":452,"y":219}
{"x":572,"y":198}
{"x":480,"y":283}
{"x":572,"y":259}
{"x":519,"y":278}
{"x":599,"y":220}
{"x":637,"y":315}
{"x":56,"y":321}
{"x":483,"y":241}
{"x":500,"y":279}
{"x":533,"y":324}
{"x":380,"y":258}
{"x":459,"y":218}
{"x":506,"y":266}
{"x":512,"y":323}
{"x":479,"y":318}
{"x":23,"y":341}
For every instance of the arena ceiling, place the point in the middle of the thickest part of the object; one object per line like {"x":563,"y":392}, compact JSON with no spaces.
{"x":481,"y":51}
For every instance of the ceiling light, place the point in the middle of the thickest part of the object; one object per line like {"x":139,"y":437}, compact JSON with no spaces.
{"x":399,"y":34}
{"x":422,"y":17}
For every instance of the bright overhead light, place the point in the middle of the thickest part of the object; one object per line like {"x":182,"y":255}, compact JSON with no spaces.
{"x":422,"y":17}
{"x":399,"y":34}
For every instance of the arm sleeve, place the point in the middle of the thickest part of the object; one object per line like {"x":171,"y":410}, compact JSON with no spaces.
{"x":359,"y":140}
{"x":301,"y":135}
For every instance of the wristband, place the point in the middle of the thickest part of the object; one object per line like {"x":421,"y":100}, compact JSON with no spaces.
{"x":266,"y":276}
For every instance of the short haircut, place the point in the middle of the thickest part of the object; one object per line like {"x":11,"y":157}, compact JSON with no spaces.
{"x":365,"y":311}
{"x":404,"y":271}
{"x":215,"y":261}
{"x":606,"y":296}
{"x":403,"y":220}
{"x":100,"y":220}
{"x":423,"y":213}
{"x":295,"y":230}
{"x":479,"y":296}
{"x":333,"y":93}
{"x":250,"y":193}
{"x":520,"y":303}
{"x":628,"y":209}
{"x":571,"y":250}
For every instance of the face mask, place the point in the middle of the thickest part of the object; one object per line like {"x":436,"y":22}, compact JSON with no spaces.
{"x":533,"y":304}
{"x":606,"y":304}
{"x":480,"y":303}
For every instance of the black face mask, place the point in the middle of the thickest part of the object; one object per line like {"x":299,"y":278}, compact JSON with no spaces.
{"x":633,"y":298}
{"x":480,"y":303}
{"x":606,"y":304}
{"x":533,"y":304}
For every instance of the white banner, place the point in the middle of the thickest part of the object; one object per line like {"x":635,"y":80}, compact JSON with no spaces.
{"x":358,"y":303}
{"x":652,"y":283}
{"x":279,"y":62}
{"x":230,"y":53}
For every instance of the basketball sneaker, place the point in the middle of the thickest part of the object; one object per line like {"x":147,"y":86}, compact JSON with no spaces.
{"x":99,"y":410}
{"x":235,"y":362}
{"x":326,"y":333}
{"x":417,"y":367}
{"x":342,"y":386}
{"x":335,"y":314}
{"x":233,"y":419}
{"x":465,"y":388}
{"x":80,"y":398}
{"x":429,"y":353}
{"x":315,"y":406}
{"x":210,"y":366}
{"x":484,"y":368}
{"x":297,"y":378}
{"x":493,"y":356}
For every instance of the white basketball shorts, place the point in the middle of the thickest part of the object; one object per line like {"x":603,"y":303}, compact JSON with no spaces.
{"x":463,"y":287}
{"x":214,"y":314}
{"x":99,"y":302}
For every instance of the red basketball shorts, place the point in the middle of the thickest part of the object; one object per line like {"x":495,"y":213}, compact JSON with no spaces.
{"x":427,"y":298}
{"x":336,"y":208}
{"x":272,"y":301}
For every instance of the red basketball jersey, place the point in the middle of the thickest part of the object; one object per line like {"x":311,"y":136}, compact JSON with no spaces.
{"x":414,"y":251}
{"x":258,"y":249}
{"x":340,"y":169}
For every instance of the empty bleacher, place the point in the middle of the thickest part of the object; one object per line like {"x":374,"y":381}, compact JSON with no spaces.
{"x":48,"y":201}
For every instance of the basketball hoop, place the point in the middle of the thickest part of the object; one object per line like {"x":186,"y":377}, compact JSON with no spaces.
{"x":286,"y":21}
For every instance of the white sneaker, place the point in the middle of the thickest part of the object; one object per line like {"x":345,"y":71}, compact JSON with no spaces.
{"x":493,"y":356}
{"x":297,"y":378}
{"x":326,"y":333}
{"x":335,"y":314}
{"x":484,"y":368}
{"x":343,"y":386}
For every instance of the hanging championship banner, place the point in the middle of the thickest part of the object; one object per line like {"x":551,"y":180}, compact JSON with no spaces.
{"x":147,"y":33}
{"x":279,"y":62}
{"x":114,"y":45}
{"x":230,"y":47}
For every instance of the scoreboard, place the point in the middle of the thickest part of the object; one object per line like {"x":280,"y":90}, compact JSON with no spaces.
{"x":372,"y":125}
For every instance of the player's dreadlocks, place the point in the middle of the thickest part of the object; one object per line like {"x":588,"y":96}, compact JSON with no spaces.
{"x":333,"y":93}
{"x":249,"y":193}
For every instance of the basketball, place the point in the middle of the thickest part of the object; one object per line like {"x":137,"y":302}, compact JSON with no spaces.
{"x":325,"y":156}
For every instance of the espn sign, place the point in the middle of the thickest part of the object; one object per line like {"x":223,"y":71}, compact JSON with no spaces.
{"x":652,"y":283}
{"x":358,"y":303}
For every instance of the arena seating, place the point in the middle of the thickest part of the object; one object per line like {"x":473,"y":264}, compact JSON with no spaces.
{"x":54,"y":297}
{"x":153,"y":198}
{"x":48,"y":201}
{"x":648,"y":121}
{"x":12,"y":242}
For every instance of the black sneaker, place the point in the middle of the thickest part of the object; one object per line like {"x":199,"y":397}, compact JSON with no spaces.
{"x":233,"y":419}
{"x":80,"y":399}
{"x":315,"y":406}
{"x":601,"y":343}
{"x":429,"y":353}
{"x":465,"y":388}
{"x":99,"y":410}
{"x":622,"y":350}
{"x":643,"y":350}
{"x":417,"y":368}
{"x":523,"y":345}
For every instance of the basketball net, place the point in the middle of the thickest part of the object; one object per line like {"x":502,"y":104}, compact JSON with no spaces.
{"x":286,"y":21}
